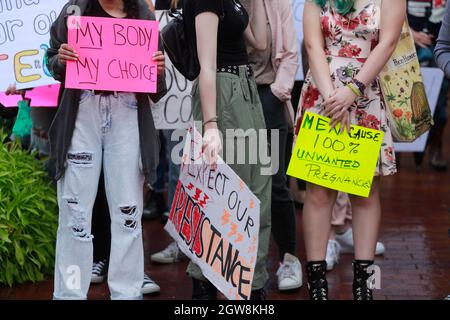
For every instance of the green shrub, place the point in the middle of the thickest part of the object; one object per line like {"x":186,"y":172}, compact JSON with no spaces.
{"x":28,"y":216}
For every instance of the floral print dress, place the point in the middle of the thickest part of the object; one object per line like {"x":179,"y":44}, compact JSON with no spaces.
{"x":349,"y":41}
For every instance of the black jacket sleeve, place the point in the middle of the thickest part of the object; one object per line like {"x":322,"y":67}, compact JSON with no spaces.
{"x":161,"y":83}
{"x":58,"y":36}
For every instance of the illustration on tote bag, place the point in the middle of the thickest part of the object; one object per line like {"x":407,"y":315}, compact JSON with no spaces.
{"x":404,"y":92}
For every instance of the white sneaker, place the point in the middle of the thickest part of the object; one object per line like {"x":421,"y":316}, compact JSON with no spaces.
{"x":99,"y":270}
{"x":289,"y":273}
{"x":347,"y":246}
{"x":333,"y":253}
{"x":149,"y":286}
{"x":170,"y":254}
{"x":379,"y":249}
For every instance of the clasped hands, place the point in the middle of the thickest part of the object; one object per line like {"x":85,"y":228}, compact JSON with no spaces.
{"x":337,"y":107}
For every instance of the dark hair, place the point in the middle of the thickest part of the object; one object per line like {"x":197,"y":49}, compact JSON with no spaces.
{"x":131,"y":8}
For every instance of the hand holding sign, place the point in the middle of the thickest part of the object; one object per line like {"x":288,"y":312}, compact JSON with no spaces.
{"x":12,"y":90}
{"x":212,"y":144}
{"x":339,"y":161}
{"x":160,"y":61}
{"x":113,"y":54}
{"x":66,"y":53}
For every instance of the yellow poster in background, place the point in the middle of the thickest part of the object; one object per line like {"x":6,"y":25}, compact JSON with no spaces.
{"x":340,"y":161}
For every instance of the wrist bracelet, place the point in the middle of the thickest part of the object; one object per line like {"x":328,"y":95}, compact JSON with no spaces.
{"x":354,"y":89}
{"x":214,"y":119}
{"x":361,"y":86}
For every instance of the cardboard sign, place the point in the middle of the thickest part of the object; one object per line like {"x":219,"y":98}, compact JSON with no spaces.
{"x":24,"y":40}
{"x":298,"y":6}
{"x":215,"y":221}
{"x":114,"y":54}
{"x":432,"y":79}
{"x":344,"y":162}
{"x":46,"y":96}
{"x":174,"y":110}
{"x":10,"y":101}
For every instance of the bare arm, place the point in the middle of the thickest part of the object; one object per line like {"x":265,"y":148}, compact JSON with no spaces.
{"x":392,"y":19}
{"x":207,"y":25}
{"x":315,"y":47}
{"x":256,"y":32}
{"x":151,"y":7}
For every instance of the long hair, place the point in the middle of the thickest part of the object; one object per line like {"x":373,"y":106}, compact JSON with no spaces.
{"x":131,"y":8}
{"x":173,"y":4}
{"x":342,"y":7}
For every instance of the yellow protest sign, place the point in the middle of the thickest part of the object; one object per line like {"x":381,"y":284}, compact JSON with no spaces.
{"x":340,"y":161}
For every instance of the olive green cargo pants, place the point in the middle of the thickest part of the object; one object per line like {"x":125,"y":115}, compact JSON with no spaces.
{"x":239,"y":107}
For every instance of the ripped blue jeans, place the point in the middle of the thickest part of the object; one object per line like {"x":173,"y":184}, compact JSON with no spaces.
{"x":106,"y":134}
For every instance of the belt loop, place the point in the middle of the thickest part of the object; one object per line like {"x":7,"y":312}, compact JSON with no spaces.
{"x":116,"y":94}
{"x":243,"y":72}
{"x":244,"y":82}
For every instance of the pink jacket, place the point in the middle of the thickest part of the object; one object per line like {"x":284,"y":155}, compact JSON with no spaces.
{"x":285,"y":50}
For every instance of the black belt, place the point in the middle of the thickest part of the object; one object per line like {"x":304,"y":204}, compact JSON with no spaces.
{"x":104,"y":92}
{"x":235,"y":70}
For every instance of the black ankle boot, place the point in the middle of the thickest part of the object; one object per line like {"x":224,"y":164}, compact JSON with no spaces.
{"x":361,"y":290}
{"x":317,"y":281}
{"x":258,"y":295}
{"x":203,"y":290}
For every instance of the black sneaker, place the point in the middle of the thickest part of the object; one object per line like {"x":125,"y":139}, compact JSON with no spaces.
{"x":155,"y":207}
{"x":99,"y":271}
{"x":203,"y":290}
{"x":258,"y":295}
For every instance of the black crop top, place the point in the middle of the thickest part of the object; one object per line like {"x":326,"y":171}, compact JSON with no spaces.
{"x":231,"y":49}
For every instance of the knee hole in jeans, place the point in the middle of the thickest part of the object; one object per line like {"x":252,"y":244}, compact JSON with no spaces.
{"x":81,"y":159}
{"x":129,"y":214}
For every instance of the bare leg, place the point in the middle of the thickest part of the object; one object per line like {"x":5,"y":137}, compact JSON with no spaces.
{"x":366,"y":222}
{"x":317,"y":220}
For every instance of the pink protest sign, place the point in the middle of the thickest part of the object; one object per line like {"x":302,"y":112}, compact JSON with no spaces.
{"x":10,"y":101}
{"x":45,"y":96}
{"x":114,"y":54}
